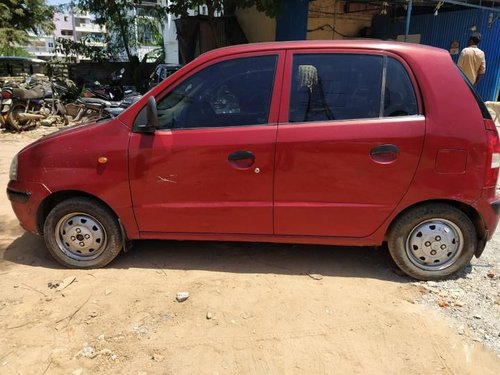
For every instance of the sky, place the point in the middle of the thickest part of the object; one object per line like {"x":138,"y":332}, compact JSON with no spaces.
{"x":57,"y":2}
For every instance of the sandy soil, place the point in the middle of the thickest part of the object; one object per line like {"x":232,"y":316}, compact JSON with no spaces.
{"x":253,"y":309}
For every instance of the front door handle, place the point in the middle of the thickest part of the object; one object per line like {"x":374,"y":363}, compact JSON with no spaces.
{"x":384,"y":154}
{"x":241,"y":159}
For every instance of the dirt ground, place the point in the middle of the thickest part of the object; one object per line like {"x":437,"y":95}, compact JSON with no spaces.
{"x":252,"y":309}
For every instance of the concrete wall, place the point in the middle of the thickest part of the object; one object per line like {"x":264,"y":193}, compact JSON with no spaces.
{"x":260,"y":28}
{"x":345,"y":27}
{"x":328,"y":20}
{"x":256,"y":26}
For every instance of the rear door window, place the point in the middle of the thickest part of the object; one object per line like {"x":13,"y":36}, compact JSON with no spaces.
{"x":335,"y":87}
{"x":338,"y":86}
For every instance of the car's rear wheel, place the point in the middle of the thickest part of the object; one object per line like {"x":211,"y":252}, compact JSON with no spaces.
{"x":432,"y":241}
{"x":82,"y":233}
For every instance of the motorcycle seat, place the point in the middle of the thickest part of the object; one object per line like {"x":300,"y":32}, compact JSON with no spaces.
{"x":28,"y":94}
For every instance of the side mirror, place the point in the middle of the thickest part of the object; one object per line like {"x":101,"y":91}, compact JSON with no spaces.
{"x":152,"y":123}
{"x":152,"y":113}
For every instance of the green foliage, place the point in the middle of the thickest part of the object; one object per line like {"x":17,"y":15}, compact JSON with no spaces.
{"x":180,"y":7}
{"x":8,"y":50}
{"x":119,"y":17}
{"x":17,"y":17}
{"x":26,"y":15}
{"x":71,"y":50}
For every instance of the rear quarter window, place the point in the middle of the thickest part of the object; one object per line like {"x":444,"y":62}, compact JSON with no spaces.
{"x":399,"y":95}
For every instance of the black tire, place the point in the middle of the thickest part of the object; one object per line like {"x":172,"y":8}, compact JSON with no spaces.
{"x":432,"y":241}
{"x":82,"y":233}
{"x":15,"y":123}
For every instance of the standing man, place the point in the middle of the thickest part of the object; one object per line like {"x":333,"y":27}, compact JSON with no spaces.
{"x":472,"y":61}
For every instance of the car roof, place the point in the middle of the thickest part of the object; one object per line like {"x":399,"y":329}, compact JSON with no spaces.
{"x":370,"y":44}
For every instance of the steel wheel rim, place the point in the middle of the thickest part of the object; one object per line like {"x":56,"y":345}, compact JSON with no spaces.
{"x":434,"y":244}
{"x":80,"y":236}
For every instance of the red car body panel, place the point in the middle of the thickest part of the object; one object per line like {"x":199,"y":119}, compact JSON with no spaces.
{"x":315,"y":184}
{"x":67,"y":161}
{"x":184,"y":176}
{"x":183,"y":182}
{"x":324,"y":172}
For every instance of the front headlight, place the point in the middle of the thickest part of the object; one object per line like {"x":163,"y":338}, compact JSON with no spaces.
{"x":13,"y":169}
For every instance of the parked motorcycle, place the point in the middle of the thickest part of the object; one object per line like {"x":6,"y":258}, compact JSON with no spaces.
{"x":32,"y":103}
{"x":40,"y":101}
{"x":113,"y":92}
{"x":113,"y":108}
{"x":112,"y":99}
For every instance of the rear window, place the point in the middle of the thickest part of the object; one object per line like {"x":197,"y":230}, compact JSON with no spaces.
{"x":484,"y":111}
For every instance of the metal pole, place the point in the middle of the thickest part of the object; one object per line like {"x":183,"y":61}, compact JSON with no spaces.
{"x":408,"y":16}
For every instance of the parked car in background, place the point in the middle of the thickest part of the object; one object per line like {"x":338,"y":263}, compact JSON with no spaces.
{"x":325,"y":142}
{"x":161,"y":72}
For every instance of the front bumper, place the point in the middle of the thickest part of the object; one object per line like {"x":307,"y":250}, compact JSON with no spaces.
{"x":25,"y":198}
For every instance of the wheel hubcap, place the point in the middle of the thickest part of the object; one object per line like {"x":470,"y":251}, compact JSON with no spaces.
{"x":80,"y":236}
{"x":434,"y":244}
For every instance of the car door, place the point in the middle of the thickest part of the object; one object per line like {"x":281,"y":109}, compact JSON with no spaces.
{"x":209,"y":169}
{"x":349,"y":141}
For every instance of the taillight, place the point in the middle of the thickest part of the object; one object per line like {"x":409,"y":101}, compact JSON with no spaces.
{"x":493,"y":157}
{"x":6,"y":94}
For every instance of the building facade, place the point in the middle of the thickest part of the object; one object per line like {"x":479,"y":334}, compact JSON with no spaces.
{"x":73,"y":25}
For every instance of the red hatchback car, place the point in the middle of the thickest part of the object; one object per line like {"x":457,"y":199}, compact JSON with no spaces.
{"x":339,"y":143}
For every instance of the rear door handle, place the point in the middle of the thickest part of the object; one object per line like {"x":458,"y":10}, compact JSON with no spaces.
{"x":384,"y":153}
{"x":241,"y":159}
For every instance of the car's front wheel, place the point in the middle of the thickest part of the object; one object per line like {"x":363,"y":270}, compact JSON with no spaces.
{"x":432,"y":241}
{"x":82,"y":233}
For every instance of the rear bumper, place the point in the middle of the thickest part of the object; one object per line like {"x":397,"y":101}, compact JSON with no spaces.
{"x":25,"y":198}
{"x":489,"y":209}
{"x":18,"y":196}
{"x":496,"y":207}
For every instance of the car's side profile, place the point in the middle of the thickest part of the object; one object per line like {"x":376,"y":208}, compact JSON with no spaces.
{"x":340,"y":143}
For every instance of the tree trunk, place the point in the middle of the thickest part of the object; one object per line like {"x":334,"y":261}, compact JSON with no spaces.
{"x":229,"y":7}
{"x":211,"y":7}
{"x":124,"y":34}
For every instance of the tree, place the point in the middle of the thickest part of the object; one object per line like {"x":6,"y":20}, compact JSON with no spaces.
{"x":18,"y":17}
{"x":71,"y":50}
{"x":120,"y":16}
{"x":181,"y":7}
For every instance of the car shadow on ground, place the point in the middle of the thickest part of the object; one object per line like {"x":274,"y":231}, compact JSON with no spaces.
{"x":231,"y":257}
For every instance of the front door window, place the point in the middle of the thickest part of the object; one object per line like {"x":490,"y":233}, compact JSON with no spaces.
{"x":231,"y":93}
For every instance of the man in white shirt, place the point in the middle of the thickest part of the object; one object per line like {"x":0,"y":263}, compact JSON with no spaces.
{"x":472,"y":61}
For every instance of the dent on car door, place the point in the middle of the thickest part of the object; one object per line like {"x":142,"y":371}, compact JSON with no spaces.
{"x":209,"y":169}
{"x":348,"y":145}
